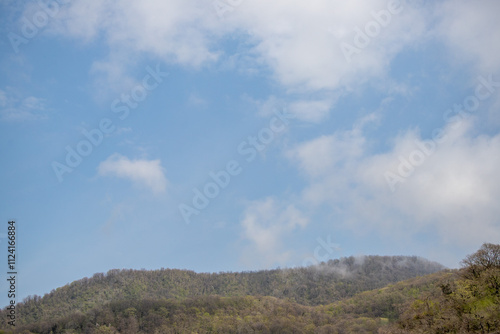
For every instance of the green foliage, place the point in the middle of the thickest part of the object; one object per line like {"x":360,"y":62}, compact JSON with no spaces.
{"x":467,"y":303}
{"x":211,"y":314}
{"x":317,"y":285}
{"x":329,"y":298}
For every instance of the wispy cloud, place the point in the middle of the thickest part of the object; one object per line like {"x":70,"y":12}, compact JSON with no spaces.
{"x":473,"y":32}
{"x":311,"y":111}
{"x":13,"y":107}
{"x":147,"y":173}
{"x":299,"y":42}
{"x":304,"y":107}
{"x":174,"y":30}
{"x":116,"y":215}
{"x":266,"y":224}
{"x":196,"y":101}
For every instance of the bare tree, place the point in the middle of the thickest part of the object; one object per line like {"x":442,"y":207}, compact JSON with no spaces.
{"x":487,"y":257}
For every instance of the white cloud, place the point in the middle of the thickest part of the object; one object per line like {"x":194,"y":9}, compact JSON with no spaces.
{"x":16,"y":108}
{"x":311,"y":111}
{"x":111,"y":76}
{"x":306,"y":109}
{"x":33,"y":103}
{"x":266,"y":224}
{"x":454,"y":191}
{"x":472,"y":29}
{"x":148,"y":173}
{"x":298,"y":41}
{"x":175,"y":30}
{"x":301,"y":41}
{"x":324,"y":154}
{"x":472,"y":32}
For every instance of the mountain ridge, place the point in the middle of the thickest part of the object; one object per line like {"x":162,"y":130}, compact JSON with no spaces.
{"x":315,"y":285}
{"x":366,"y":312}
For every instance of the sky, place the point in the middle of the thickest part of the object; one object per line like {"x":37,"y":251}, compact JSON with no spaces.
{"x":236,"y":135}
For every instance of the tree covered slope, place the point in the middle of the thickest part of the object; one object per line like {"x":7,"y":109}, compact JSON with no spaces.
{"x":343,"y":296}
{"x":367,"y":312}
{"x":315,"y":285}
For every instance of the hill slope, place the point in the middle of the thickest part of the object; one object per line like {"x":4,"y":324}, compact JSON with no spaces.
{"x":367,"y":312}
{"x":449,"y":301}
{"x":323,"y":284}
{"x":468,"y":302}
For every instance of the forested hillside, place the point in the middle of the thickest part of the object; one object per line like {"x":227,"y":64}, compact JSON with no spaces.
{"x":316,"y":285}
{"x":468,"y":302}
{"x":367,"y":312}
{"x":449,"y":301}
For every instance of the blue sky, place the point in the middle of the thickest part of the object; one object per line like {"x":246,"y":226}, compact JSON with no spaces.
{"x":244,"y":135}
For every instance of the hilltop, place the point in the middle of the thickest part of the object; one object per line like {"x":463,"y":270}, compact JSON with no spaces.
{"x":371,"y":294}
{"x":316,"y":285}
